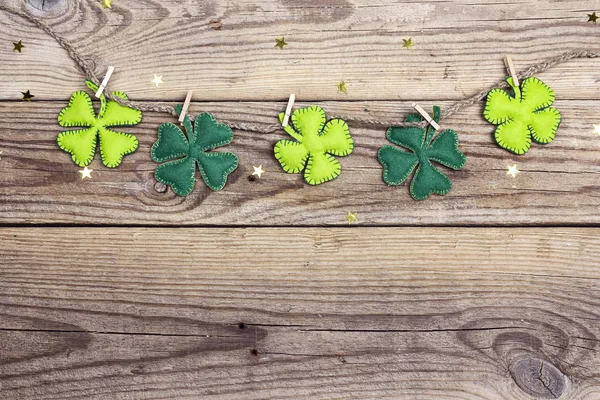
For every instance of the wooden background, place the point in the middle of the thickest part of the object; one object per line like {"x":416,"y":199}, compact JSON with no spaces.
{"x":115,"y":288}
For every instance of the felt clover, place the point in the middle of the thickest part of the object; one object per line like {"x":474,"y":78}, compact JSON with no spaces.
{"x":317,"y":142}
{"x":424,"y":148}
{"x":525,"y":116}
{"x":81,"y":143}
{"x":184,"y":152}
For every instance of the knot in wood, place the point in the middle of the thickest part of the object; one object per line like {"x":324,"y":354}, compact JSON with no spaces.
{"x":46,"y":5}
{"x":160,"y":187}
{"x":538,"y":378}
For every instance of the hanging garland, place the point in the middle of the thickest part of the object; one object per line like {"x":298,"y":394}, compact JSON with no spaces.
{"x":520,"y":118}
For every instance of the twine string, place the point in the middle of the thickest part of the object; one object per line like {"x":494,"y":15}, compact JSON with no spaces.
{"x":89,"y":73}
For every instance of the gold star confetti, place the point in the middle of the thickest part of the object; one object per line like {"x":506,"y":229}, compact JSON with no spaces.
{"x":86,"y":173}
{"x":258,"y":171}
{"x":280,"y":42}
{"x":157,"y":80}
{"x":597,"y":129}
{"x":107,"y":3}
{"x":513,"y":171}
{"x":351,"y":218}
{"x":18,"y":46}
{"x":27,"y":96}
{"x":408,"y":43}
{"x":592,"y":17}
{"x":342,"y":88}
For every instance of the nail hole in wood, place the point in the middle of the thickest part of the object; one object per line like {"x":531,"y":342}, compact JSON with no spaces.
{"x":251,"y":178}
{"x":254,"y":353}
{"x":242,"y":326}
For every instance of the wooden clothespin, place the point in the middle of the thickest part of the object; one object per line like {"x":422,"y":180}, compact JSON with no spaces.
{"x":109,"y":73}
{"x":288,"y":110}
{"x":510,"y":68}
{"x":427,"y":117}
{"x":186,"y":105}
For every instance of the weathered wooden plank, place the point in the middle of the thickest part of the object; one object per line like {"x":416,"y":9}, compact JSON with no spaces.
{"x":370,"y":313}
{"x":559,"y":183}
{"x":458,"y":49}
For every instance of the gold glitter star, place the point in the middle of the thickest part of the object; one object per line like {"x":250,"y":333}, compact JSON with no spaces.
{"x":592,"y":17}
{"x":513,"y":171}
{"x":18,"y":46}
{"x":258,"y":171}
{"x":86,"y":173}
{"x":27,"y":96}
{"x":280,"y":42}
{"x":342,"y":88}
{"x":351,"y":218}
{"x":597,"y":129}
{"x":107,"y":3}
{"x":157,"y":80}
{"x":408,"y":43}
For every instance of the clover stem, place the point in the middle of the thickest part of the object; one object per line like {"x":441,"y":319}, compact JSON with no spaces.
{"x":517,"y":92}
{"x":289,"y":129}
{"x":516,"y":89}
{"x":189,"y":131}
{"x":430,"y":134}
{"x":102,"y":105}
{"x":91,"y":85}
{"x":292,"y":132}
{"x":437,"y":112}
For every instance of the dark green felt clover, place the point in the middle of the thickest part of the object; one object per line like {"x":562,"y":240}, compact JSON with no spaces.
{"x":424,"y":148}
{"x":182,"y":153}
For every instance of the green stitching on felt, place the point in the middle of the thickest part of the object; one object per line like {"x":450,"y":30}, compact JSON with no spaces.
{"x":317,"y":141}
{"x":424,"y":148}
{"x":81,"y":143}
{"x":525,"y":116}
{"x":172,"y":145}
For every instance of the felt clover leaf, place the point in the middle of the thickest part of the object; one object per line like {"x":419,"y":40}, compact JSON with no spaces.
{"x":424,"y":148}
{"x":81,"y":143}
{"x":523,"y":117}
{"x":184,"y":152}
{"x":317,"y":142}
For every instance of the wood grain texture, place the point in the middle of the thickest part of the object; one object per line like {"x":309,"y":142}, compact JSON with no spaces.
{"x":558,"y":185}
{"x":458,"y":51}
{"x":383,"y":312}
{"x":369,"y":313}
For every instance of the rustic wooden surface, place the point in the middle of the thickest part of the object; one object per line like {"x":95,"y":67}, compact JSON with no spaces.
{"x":482,"y":313}
{"x":491,"y":292}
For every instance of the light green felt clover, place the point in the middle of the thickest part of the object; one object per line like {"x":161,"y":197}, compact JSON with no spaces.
{"x":81,"y":144}
{"x":317,"y":142}
{"x":523,"y":117}
{"x":183,"y":153}
{"x":424,"y":148}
